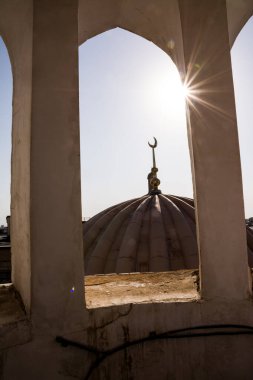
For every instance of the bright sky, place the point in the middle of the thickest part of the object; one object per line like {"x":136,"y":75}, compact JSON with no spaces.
{"x":129,"y":92}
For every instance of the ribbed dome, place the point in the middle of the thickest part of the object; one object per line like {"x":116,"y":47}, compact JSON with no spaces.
{"x":152,"y":233}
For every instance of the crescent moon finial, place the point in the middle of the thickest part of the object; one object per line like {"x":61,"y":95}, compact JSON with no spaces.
{"x":153,"y":181}
{"x":154,"y":145}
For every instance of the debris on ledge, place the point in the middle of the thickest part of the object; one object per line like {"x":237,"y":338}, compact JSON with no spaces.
{"x":126,"y":288}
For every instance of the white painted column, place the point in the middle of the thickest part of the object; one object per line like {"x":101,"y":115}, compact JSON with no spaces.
{"x":214,"y":149}
{"x":56,"y":228}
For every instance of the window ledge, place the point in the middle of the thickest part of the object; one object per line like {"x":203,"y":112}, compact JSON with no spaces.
{"x":160,"y":287}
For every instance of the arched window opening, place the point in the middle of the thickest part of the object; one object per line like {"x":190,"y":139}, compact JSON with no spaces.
{"x":5,"y":162}
{"x":130,"y":91}
{"x":242,"y":61}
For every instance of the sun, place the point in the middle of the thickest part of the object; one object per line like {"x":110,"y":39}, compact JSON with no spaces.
{"x":186,"y":92}
{"x":165,"y":90}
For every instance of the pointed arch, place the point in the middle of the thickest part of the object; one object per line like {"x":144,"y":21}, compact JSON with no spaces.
{"x":5,"y":149}
{"x":5,"y":132}
{"x":134,"y":95}
{"x":18,"y":41}
{"x":242,"y":60}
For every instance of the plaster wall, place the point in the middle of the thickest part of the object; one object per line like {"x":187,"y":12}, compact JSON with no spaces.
{"x":215,"y":156}
{"x":130,"y":335}
{"x":238,"y":13}
{"x":158,"y":22}
{"x":45,"y":150}
{"x":56,"y":228}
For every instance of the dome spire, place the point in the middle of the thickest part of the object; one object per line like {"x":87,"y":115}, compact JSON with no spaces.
{"x":153,"y":181}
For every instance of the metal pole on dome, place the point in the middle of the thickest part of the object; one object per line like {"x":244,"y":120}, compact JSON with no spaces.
{"x":153,"y":151}
{"x":153,"y":181}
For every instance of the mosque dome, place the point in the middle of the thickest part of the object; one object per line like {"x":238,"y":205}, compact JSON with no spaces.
{"x":155,"y":233}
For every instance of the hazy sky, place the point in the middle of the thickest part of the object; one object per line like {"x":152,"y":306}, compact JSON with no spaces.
{"x":129,"y":92}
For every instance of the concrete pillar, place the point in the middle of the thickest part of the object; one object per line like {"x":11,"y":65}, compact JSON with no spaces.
{"x":57,"y":302}
{"x":214,"y":150}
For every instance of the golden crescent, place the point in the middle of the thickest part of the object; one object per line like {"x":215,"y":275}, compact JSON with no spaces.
{"x":154,"y":145}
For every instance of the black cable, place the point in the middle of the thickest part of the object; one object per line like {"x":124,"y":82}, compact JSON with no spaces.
{"x":172,"y":334}
{"x":67,"y":342}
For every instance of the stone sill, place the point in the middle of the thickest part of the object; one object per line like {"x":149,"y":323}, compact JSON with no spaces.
{"x":138,"y":288}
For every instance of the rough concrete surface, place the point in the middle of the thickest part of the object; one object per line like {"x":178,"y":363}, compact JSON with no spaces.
{"x":121,"y":289}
